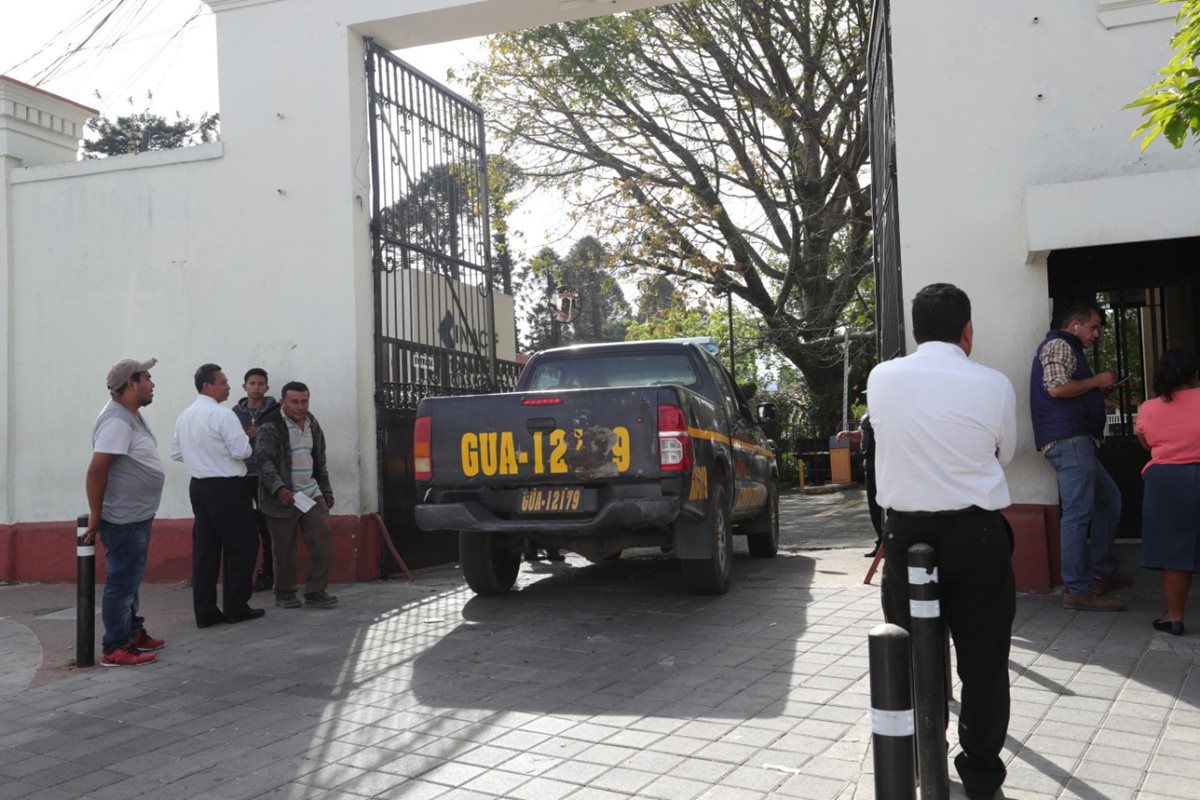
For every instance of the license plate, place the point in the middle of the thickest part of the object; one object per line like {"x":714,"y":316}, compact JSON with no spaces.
{"x":543,"y":501}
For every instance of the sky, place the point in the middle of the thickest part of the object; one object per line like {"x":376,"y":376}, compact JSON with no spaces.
{"x":164,"y":48}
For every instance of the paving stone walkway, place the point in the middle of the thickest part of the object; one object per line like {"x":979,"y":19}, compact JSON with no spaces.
{"x":593,"y":682}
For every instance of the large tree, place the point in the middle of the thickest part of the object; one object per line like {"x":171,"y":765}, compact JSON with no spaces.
{"x":720,"y":141}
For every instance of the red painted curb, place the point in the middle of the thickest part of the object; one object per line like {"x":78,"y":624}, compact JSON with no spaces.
{"x":44,"y":552}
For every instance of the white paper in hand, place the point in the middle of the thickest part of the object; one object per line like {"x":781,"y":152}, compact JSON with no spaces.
{"x":303,"y":502}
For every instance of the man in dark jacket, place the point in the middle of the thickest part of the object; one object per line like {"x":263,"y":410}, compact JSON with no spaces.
{"x":250,"y":409}
{"x":1066,"y":402}
{"x":293,"y":487}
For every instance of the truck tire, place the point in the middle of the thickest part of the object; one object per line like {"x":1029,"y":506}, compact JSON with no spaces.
{"x":711,"y":575}
{"x":765,"y":543}
{"x":489,"y":567}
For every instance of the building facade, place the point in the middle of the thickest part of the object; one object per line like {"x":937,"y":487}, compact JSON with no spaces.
{"x":1014,"y":176}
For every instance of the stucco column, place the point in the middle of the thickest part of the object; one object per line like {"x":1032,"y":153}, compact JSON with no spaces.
{"x":7,"y":164}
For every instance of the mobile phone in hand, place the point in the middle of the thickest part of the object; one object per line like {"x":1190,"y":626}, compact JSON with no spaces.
{"x":1123,"y":379}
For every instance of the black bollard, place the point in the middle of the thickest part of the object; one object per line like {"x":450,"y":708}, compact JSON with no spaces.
{"x":892,"y":713}
{"x":85,"y":596}
{"x":929,"y":678}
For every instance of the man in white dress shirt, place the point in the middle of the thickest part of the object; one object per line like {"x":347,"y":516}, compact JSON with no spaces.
{"x":211,"y":442}
{"x":945,"y":426}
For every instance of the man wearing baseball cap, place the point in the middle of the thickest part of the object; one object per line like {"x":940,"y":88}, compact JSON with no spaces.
{"x":124,"y":486}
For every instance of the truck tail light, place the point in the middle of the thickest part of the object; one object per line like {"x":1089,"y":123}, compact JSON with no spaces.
{"x":674,"y":441}
{"x":422,"y":455}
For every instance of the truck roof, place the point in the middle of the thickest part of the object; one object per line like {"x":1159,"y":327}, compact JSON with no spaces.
{"x":646,"y":344}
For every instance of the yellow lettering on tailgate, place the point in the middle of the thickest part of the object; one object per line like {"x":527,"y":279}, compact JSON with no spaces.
{"x":558,"y":440}
{"x":620,"y":450}
{"x":470,"y":455}
{"x":508,"y":454}
{"x":538,"y":463}
{"x":699,"y":489}
{"x":487,"y":454}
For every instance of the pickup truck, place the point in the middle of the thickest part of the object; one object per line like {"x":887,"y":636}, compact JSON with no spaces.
{"x":600,"y":448}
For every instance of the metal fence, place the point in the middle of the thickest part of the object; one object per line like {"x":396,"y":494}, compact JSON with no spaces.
{"x":434,"y":279}
{"x":885,"y":217}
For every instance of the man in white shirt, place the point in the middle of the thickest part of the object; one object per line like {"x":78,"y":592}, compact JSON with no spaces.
{"x":211,"y":442}
{"x":945,"y":426}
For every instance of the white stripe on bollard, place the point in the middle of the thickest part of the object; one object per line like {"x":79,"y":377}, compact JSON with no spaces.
{"x":925,"y":609}
{"x":918,"y":576}
{"x":892,"y":723}
{"x":85,"y":550}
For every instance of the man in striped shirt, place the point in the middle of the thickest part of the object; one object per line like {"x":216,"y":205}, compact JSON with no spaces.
{"x":294,"y":489}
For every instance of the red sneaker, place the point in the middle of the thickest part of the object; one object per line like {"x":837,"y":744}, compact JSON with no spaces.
{"x":144,"y":642}
{"x":127,"y":656}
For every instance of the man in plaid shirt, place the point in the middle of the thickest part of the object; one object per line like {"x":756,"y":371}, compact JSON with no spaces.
{"x":1067,"y":405}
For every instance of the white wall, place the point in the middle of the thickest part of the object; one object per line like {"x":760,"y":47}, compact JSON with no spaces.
{"x":973,"y":137}
{"x":250,"y":252}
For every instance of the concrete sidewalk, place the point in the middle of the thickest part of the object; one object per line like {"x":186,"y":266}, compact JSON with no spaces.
{"x":591,"y":682}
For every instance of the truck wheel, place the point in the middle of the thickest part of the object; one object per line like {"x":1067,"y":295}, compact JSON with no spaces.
{"x":711,"y":575}
{"x":765,"y":544}
{"x":488,"y":566}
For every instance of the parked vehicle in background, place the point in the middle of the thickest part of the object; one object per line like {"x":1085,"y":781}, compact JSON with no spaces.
{"x":600,"y":448}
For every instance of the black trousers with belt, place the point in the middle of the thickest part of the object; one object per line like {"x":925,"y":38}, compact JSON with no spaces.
{"x":975,"y":576}
{"x":223,"y":533}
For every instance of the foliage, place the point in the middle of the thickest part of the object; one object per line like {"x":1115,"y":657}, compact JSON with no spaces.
{"x":656,"y":295}
{"x":503,"y":179}
{"x":534,"y":281}
{"x":721,"y":142}
{"x":143,"y":131}
{"x":1171,"y":106}
{"x":685,"y":319}
{"x":604,"y":313}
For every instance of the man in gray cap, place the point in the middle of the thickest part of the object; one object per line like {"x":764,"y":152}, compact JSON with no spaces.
{"x":124,"y":485}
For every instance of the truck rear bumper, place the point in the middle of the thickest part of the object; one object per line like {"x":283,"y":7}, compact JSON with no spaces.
{"x":621,"y":513}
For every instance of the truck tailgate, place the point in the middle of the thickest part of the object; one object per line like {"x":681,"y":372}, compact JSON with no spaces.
{"x":544,"y":438}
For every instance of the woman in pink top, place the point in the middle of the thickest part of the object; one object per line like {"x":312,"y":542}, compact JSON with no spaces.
{"x":1169,"y":427}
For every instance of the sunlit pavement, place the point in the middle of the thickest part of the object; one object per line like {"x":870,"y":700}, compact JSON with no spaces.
{"x":591,"y":681}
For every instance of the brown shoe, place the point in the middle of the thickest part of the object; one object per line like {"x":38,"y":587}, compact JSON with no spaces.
{"x":1093,"y":601}
{"x":1122,"y":580}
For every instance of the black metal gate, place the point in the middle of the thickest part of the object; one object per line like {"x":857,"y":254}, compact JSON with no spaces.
{"x":889,"y":296}
{"x":435,"y":325}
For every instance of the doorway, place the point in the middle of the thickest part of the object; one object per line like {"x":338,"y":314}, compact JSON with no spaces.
{"x":1149,"y":293}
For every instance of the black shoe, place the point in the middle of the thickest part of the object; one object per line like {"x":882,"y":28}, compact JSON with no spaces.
{"x":532,"y":556}
{"x":246,"y":615}
{"x":554,"y":555}
{"x":264,"y":583}
{"x":872,"y":553}
{"x":216,"y":619}
{"x":1171,"y":626}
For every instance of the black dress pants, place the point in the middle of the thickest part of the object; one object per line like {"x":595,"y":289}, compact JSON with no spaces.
{"x":224,"y":525}
{"x":978,"y":599}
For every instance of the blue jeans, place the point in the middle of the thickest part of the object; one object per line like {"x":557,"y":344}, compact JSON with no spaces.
{"x":125,"y":548}
{"x":1089,"y":498}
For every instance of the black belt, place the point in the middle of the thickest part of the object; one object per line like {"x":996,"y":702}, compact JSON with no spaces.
{"x":967,"y":510}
